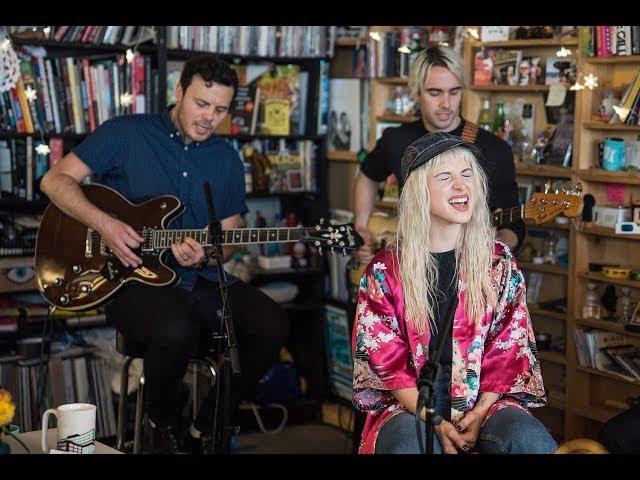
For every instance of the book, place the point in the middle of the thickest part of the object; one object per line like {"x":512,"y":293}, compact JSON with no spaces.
{"x":279,"y":101}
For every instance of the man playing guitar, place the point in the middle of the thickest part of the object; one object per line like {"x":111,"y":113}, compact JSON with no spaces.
{"x":174,"y":153}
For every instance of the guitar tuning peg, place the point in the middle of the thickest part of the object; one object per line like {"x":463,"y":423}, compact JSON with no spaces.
{"x":320,"y":251}
{"x":547,"y":186}
{"x":344,"y":252}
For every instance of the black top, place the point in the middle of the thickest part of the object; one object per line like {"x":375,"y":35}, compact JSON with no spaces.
{"x":445,"y":294}
{"x":386,"y":157}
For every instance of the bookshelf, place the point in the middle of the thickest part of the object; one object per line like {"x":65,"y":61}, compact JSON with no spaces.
{"x":590,"y":391}
{"x":556,"y":281}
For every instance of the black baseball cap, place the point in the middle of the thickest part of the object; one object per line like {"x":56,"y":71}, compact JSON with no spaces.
{"x":427,"y":147}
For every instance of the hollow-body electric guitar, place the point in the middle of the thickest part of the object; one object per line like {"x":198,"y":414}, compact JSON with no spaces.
{"x":76,"y":270}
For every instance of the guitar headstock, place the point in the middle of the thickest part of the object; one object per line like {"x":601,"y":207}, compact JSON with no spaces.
{"x":544,"y":206}
{"x":328,"y":235}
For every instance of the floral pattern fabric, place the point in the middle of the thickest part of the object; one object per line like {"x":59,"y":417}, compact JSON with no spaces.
{"x":496,"y":353}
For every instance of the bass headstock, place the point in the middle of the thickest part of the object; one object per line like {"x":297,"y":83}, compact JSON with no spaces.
{"x":545,"y":206}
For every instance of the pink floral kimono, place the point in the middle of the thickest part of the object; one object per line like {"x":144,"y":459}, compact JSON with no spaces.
{"x":496,"y":353}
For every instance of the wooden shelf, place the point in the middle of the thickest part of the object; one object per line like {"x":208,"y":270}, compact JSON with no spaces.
{"x":610,"y":375}
{"x":388,"y":205}
{"x":613,"y":59}
{"x":600,"y":175}
{"x":607,"y":232}
{"x":546,"y":313}
{"x":553,"y":357}
{"x":609,"y":126}
{"x":600,"y":277}
{"x":342,"y":156}
{"x":397,"y":118}
{"x":510,"y":88}
{"x":544,"y":268}
{"x":349,"y":42}
{"x":599,"y":413}
{"x":554,"y":225}
{"x":393,"y":80}
{"x":529,"y":43}
{"x":552,"y":171}
{"x":609,"y":326}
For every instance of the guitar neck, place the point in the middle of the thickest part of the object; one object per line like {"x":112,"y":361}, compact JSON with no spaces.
{"x":505,"y":217}
{"x":239,"y":236}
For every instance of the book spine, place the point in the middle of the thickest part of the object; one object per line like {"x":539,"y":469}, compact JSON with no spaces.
{"x":24,"y":105}
{"x":86,"y":70}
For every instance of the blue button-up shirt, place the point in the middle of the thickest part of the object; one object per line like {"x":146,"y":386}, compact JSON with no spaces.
{"x":143,"y":156}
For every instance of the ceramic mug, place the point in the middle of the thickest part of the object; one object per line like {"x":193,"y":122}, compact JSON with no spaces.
{"x":76,"y":428}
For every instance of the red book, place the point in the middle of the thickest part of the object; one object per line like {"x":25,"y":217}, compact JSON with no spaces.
{"x":88,"y":81}
{"x":60,"y":33}
{"x":137,"y":84}
{"x":56,"y":149}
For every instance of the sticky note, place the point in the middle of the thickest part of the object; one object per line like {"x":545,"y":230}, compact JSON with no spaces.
{"x":615,"y":193}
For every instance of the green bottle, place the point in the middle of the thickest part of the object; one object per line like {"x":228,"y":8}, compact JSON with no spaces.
{"x":498,"y":121}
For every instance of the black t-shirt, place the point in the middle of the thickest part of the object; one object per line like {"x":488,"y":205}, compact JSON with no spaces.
{"x":445,"y":294}
{"x":386,"y":157}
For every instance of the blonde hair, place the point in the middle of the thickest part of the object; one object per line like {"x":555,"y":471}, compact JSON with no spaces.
{"x":474,"y":248}
{"x":439,"y":56}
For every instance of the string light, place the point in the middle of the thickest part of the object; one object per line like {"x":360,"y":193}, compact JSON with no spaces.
{"x":126,"y":99}
{"x":375,"y":35}
{"x":404,"y":49}
{"x":129,"y":55}
{"x":563,"y":52}
{"x":577,"y":86}
{"x":43,"y":149}
{"x":31,"y":94}
{"x":5,"y":44}
{"x":590,"y":81}
{"x":47,"y":31}
{"x":473,"y":32}
{"x":622,"y":112}
{"x":444,"y":44}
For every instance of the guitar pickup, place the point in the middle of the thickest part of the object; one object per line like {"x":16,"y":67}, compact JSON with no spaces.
{"x":88,"y":244}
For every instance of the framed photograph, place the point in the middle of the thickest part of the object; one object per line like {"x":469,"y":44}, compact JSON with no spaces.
{"x":294,"y":181}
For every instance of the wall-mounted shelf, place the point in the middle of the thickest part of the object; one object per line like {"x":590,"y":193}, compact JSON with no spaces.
{"x":607,"y":232}
{"x":551,"y":171}
{"x":605,"y":176}
{"x":610,"y":375}
{"x":342,"y":156}
{"x":544,"y":268}
{"x":600,"y":277}
{"x":533,"y":310}
{"x":510,"y":88}
{"x":610,"y":126}
{"x":553,"y":357}
{"x":528,"y":43}
{"x":609,"y":326}
{"x":614,"y":59}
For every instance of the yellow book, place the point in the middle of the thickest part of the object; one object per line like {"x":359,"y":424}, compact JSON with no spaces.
{"x":276,"y":117}
{"x":24,"y":106}
{"x":75,"y":101}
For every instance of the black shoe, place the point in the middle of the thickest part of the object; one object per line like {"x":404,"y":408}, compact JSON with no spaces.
{"x":162,"y":439}
{"x":192,"y":445}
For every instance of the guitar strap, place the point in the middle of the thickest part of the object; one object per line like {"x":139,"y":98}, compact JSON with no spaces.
{"x":469,"y":132}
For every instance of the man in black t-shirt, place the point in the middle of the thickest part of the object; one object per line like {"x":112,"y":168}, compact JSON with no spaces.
{"x":437,"y":81}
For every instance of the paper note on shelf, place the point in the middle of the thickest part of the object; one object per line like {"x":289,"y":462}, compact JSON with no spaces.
{"x":557,"y":94}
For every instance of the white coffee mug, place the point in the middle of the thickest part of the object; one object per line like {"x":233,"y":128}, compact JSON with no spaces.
{"x":76,"y":428}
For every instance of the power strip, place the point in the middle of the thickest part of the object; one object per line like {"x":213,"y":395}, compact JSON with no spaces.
{"x":627,"y":228}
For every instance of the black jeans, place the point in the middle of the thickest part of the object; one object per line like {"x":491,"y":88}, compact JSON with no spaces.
{"x":176,"y":324}
{"x":621,"y":434}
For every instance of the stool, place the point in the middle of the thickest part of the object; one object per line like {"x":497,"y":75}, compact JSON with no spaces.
{"x":134,"y":349}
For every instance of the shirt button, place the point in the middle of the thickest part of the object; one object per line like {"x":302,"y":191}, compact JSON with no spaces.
{"x":186,"y":148}
{"x":184,"y":174}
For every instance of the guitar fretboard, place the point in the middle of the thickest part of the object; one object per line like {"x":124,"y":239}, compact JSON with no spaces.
{"x":505,"y":217}
{"x":239,"y":236}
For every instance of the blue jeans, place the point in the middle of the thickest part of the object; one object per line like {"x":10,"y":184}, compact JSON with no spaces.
{"x":509,"y":430}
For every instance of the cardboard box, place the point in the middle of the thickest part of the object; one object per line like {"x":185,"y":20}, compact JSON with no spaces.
{"x":338,"y":415}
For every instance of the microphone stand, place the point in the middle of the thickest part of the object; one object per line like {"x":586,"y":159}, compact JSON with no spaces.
{"x":231,"y":364}
{"x":427,"y":381}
